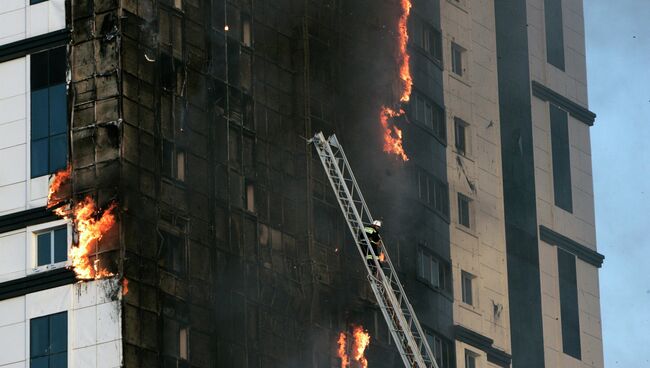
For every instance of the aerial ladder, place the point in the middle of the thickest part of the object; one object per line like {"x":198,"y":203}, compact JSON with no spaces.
{"x":399,"y":315}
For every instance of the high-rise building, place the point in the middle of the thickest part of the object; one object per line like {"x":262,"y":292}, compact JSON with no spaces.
{"x":227,"y":247}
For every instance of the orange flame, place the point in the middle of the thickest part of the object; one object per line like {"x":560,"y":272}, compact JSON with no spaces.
{"x":404,"y":69}
{"x":345,"y":360}
{"x":125,"y":286}
{"x":90,"y":230}
{"x":61,"y":177}
{"x":392,"y":134}
{"x":358,"y":349}
{"x":361,"y":342}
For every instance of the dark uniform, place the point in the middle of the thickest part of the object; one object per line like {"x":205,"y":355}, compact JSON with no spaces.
{"x":375,"y":243}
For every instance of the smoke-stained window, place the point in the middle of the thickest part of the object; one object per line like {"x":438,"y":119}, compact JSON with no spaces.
{"x":433,"y":270}
{"x":49,"y":112}
{"x":48,"y":341}
{"x":173,"y":250}
{"x":431,"y":42}
{"x":434,"y":193}
{"x":441,"y":348}
{"x":569,"y":309}
{"x":554,"y":33}
{"x":429,"y":115}
{"x":561,"y":158}
{"x":460,"y":136}
{"x":464,"y":211}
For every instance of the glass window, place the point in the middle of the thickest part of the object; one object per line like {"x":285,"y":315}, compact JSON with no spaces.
{"x":561,"y":157}
{"x":463,"y":210}
{"x":460,"y":140}
{"x":470,"y":359}
{"x":466,"y":279}
{"x":173,"y":253}
{"x":49,"y":116}
{"x":457,"y":59}
{"x":431,"y":41}
{"x":569,"y":308}
{"x":441,"y":349}
{"x":554,"y":33}
{"x":48,"y":341}
{"x":52,"y":246}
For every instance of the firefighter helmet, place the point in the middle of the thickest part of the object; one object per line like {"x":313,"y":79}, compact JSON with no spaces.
{"x":377,"y":223}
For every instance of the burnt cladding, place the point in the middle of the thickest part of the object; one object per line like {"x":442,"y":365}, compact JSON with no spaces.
{"x":236,"y":252}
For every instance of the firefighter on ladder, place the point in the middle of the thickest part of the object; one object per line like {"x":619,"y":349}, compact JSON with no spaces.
{"x":372,"y":232}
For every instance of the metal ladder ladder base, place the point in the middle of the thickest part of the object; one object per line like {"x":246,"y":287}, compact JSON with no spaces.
{"x":385,"y":284}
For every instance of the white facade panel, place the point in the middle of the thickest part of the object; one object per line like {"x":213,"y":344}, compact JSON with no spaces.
{"x":11,"y":348}
{"x":13,"y":250}
{"x":12,"y":165}
{"x":12,"y":198}
{"x":12,"y":134}
{"x":13,"y":77}
{"x":87,"y":347}
{"x":19,"y":20}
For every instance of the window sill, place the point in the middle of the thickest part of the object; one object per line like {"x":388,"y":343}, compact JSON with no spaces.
{"x":463,"y":155}
{"x":470,"y":308}
{"x":48,"y":267}
{"x":466,"y":230}
{"x":460,"y":78}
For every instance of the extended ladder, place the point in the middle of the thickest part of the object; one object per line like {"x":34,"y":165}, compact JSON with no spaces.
{"x":402,"y":322}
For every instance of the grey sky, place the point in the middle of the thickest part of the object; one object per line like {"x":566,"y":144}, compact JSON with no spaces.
{"x":618,"y":64}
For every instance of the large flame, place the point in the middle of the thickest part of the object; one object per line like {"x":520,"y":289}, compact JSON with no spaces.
{"x":392,"y":134}
{"x":60,"y":178}
{"x":361,"y":340}
{"x":91,"y":227}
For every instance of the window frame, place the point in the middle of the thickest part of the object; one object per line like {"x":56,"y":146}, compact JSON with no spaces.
{"x":471,"y":356}
{"x":443,"y":267}
{"x":423,"y":105}
{"x":433,"y":193}
{"x":466,"y":146}
{"x":48,"y":354}
{"x":457,"y":59}
{"x":179,"y":229}
{"x":32,"y":233}
{"x":441,"y":347}
{"x":467,"y":294}
{"x":462,"y":198}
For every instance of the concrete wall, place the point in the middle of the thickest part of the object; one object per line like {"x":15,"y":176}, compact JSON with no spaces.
{"x":580,"y":224}
{"x":94,"y":324}
{"x":474,"y":98}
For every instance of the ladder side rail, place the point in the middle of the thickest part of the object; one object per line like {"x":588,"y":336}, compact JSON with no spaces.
{"x":404,"y":299}
{"x":327,"y":151}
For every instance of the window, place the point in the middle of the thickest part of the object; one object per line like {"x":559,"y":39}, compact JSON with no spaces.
{"x":33,"y":2}
{"x":464,"y":210}
{"x":466,"y":280}
{"x":173,"y":165}
{"x":554,"y":33}
{"x":175,"y":341}
{"x":457,"y":59}
{"x":470,"y":359}
{"x":460,"y":138}
{"x":183,"y":347}
{"x":173,"y":252}
{"x":431,"y":41}
{"x":569,"y":310}
{"x":49,"y":116}
{"x":429,"y":115}
{"x":48,"y":341}
{"x":561,"y":158}
{"x":434,"y":193}
{"x":246,"y":34}
{"x":441,"y":349}
{"x":52,"y":246}
{"x":250,"y":196}
{"x":433,"y":271}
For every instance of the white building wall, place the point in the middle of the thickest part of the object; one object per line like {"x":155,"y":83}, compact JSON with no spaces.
{"x":18,"y":250}
{"x":94,"y":323}
{"x":580,"y":224}
{"x":474,"y":97}
{"x":19,"y":20}
{"x":18,"y":191}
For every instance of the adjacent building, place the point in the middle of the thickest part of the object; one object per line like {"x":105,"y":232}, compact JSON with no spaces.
{"x":193,"y":115}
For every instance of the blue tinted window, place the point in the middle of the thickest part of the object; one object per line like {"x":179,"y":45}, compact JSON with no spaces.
{"x":39,"y":337}
{"x":58,"y":107}
{"x":60,"y":245}
{"x":58,"y":333}
{"x":43,"y":249}
{"x":39,"y":157}
{"x":48,"y":342}
{"x":58,"y":152}
{"x":40,"y":112}
{"x":49,"y":108}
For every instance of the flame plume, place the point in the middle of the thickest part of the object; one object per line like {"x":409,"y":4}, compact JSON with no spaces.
{"x":392,"y":134}
{"x":61,"y":178}
{"x":90,"y":228}
{"x":361,"y":340}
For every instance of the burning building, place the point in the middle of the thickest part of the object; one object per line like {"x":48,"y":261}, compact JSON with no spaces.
{"x":190,"y":224}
